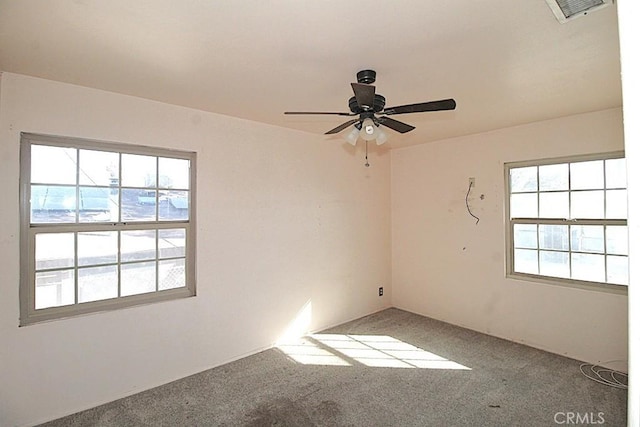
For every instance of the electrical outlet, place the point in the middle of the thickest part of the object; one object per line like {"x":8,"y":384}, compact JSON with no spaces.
{"x":472,"y":182}
{"x":380,"y":291}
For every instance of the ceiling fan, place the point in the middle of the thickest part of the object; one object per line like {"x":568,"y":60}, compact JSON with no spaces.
{"x":370,"y":109}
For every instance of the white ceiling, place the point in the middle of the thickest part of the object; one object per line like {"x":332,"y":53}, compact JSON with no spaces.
{"x":505,"y":62}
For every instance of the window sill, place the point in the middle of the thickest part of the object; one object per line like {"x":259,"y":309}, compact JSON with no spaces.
{"x":66,"y":312}
{"x":568,"y":283}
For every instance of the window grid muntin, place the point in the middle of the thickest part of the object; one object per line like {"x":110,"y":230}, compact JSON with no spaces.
{"x":604,"y":253}
{"x":73,"y":228}
{"x":28,"y":312}
{"x":604,"y":222}
{"x":79,"y":144}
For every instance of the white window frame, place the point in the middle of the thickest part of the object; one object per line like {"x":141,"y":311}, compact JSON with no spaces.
{"x":510,"y":222}
{"x":28,"y":313}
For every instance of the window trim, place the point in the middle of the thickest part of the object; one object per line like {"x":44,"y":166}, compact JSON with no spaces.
{"x":28,"y":314}
{"x":509,"y":223}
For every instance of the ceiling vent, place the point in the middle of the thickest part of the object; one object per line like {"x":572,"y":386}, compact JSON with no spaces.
{"x":566,"y":10}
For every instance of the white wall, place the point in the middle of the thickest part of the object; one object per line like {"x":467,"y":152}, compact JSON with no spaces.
{"x":284,"y":219}
{"x":447,"y":267}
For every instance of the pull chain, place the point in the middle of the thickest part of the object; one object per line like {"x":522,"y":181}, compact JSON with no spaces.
{"x":366,"y":153}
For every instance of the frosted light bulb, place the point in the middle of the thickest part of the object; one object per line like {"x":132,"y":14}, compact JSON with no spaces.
{"x":352,"y":136}
{"x":369,"y":130}
{"x":381,"y":138}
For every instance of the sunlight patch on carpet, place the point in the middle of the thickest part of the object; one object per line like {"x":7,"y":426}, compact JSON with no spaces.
{"x":380,"y":351}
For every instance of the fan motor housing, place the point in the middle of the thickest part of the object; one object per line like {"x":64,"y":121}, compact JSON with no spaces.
{"x":378,"y":104}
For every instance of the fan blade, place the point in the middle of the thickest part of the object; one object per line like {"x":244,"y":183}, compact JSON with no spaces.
{"x":444,"y":104}
{"x":342,"y":127}
{"x":320,"y":112}
{"x":395,"y":125}
{"x":365,"y":95}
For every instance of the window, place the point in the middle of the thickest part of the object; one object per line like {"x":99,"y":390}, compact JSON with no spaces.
{"x":103,"y":226}
{"x":568,"y":221}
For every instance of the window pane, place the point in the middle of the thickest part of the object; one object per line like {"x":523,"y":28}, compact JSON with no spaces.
{"x":138,"y":205}
{"x":587,"y":267}
{"x":525,"y":236}
{"x":138,"y":278}
{"x":54,"y":288}
{"x":174,"y":173}
{"x":554,"y":237}
{"x":54,"y":250}
{"x":99,"y":168}
{"x":104,"y":204}
{"x":171,"y":243}
{"x":587,"y":204}
{"x":618,"y":270}
{"x":587,"y":238}
{"x":616,"y":173}
{"x":587,"y":175}
{"x":53,"y":165}
{"x":554,"y":205}
{"x":97,"y":247}
{"x":171,"y":274}
{"x":617,"y":240}
{"x":95,"y":204}
{"x":53,"y":204}
{"x":94,"y":199}
{"x":524,"y":179}
{"x":138,"y":245}
{"x":97,"y":283}
{"x":525,"y":261}
{"x":138,"y":171}
{"x":554,"y":177}
{"x":174,"y":206}
{"x":616,"y":204}
{"x":524,"y":205}
{"x":147,"y":197}
{"x":555,"y":264}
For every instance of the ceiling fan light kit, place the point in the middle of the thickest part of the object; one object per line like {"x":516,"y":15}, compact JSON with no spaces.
{"x":352,"y":136}
{"x":382,"y":137}
{"x":369,"y":130}
{"x":369,"y":107}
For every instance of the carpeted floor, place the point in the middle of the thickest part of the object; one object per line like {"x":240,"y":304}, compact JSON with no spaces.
{"x":392,"y":368}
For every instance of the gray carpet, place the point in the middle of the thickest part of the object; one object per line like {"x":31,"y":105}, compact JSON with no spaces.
{"x":506,"y":384}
